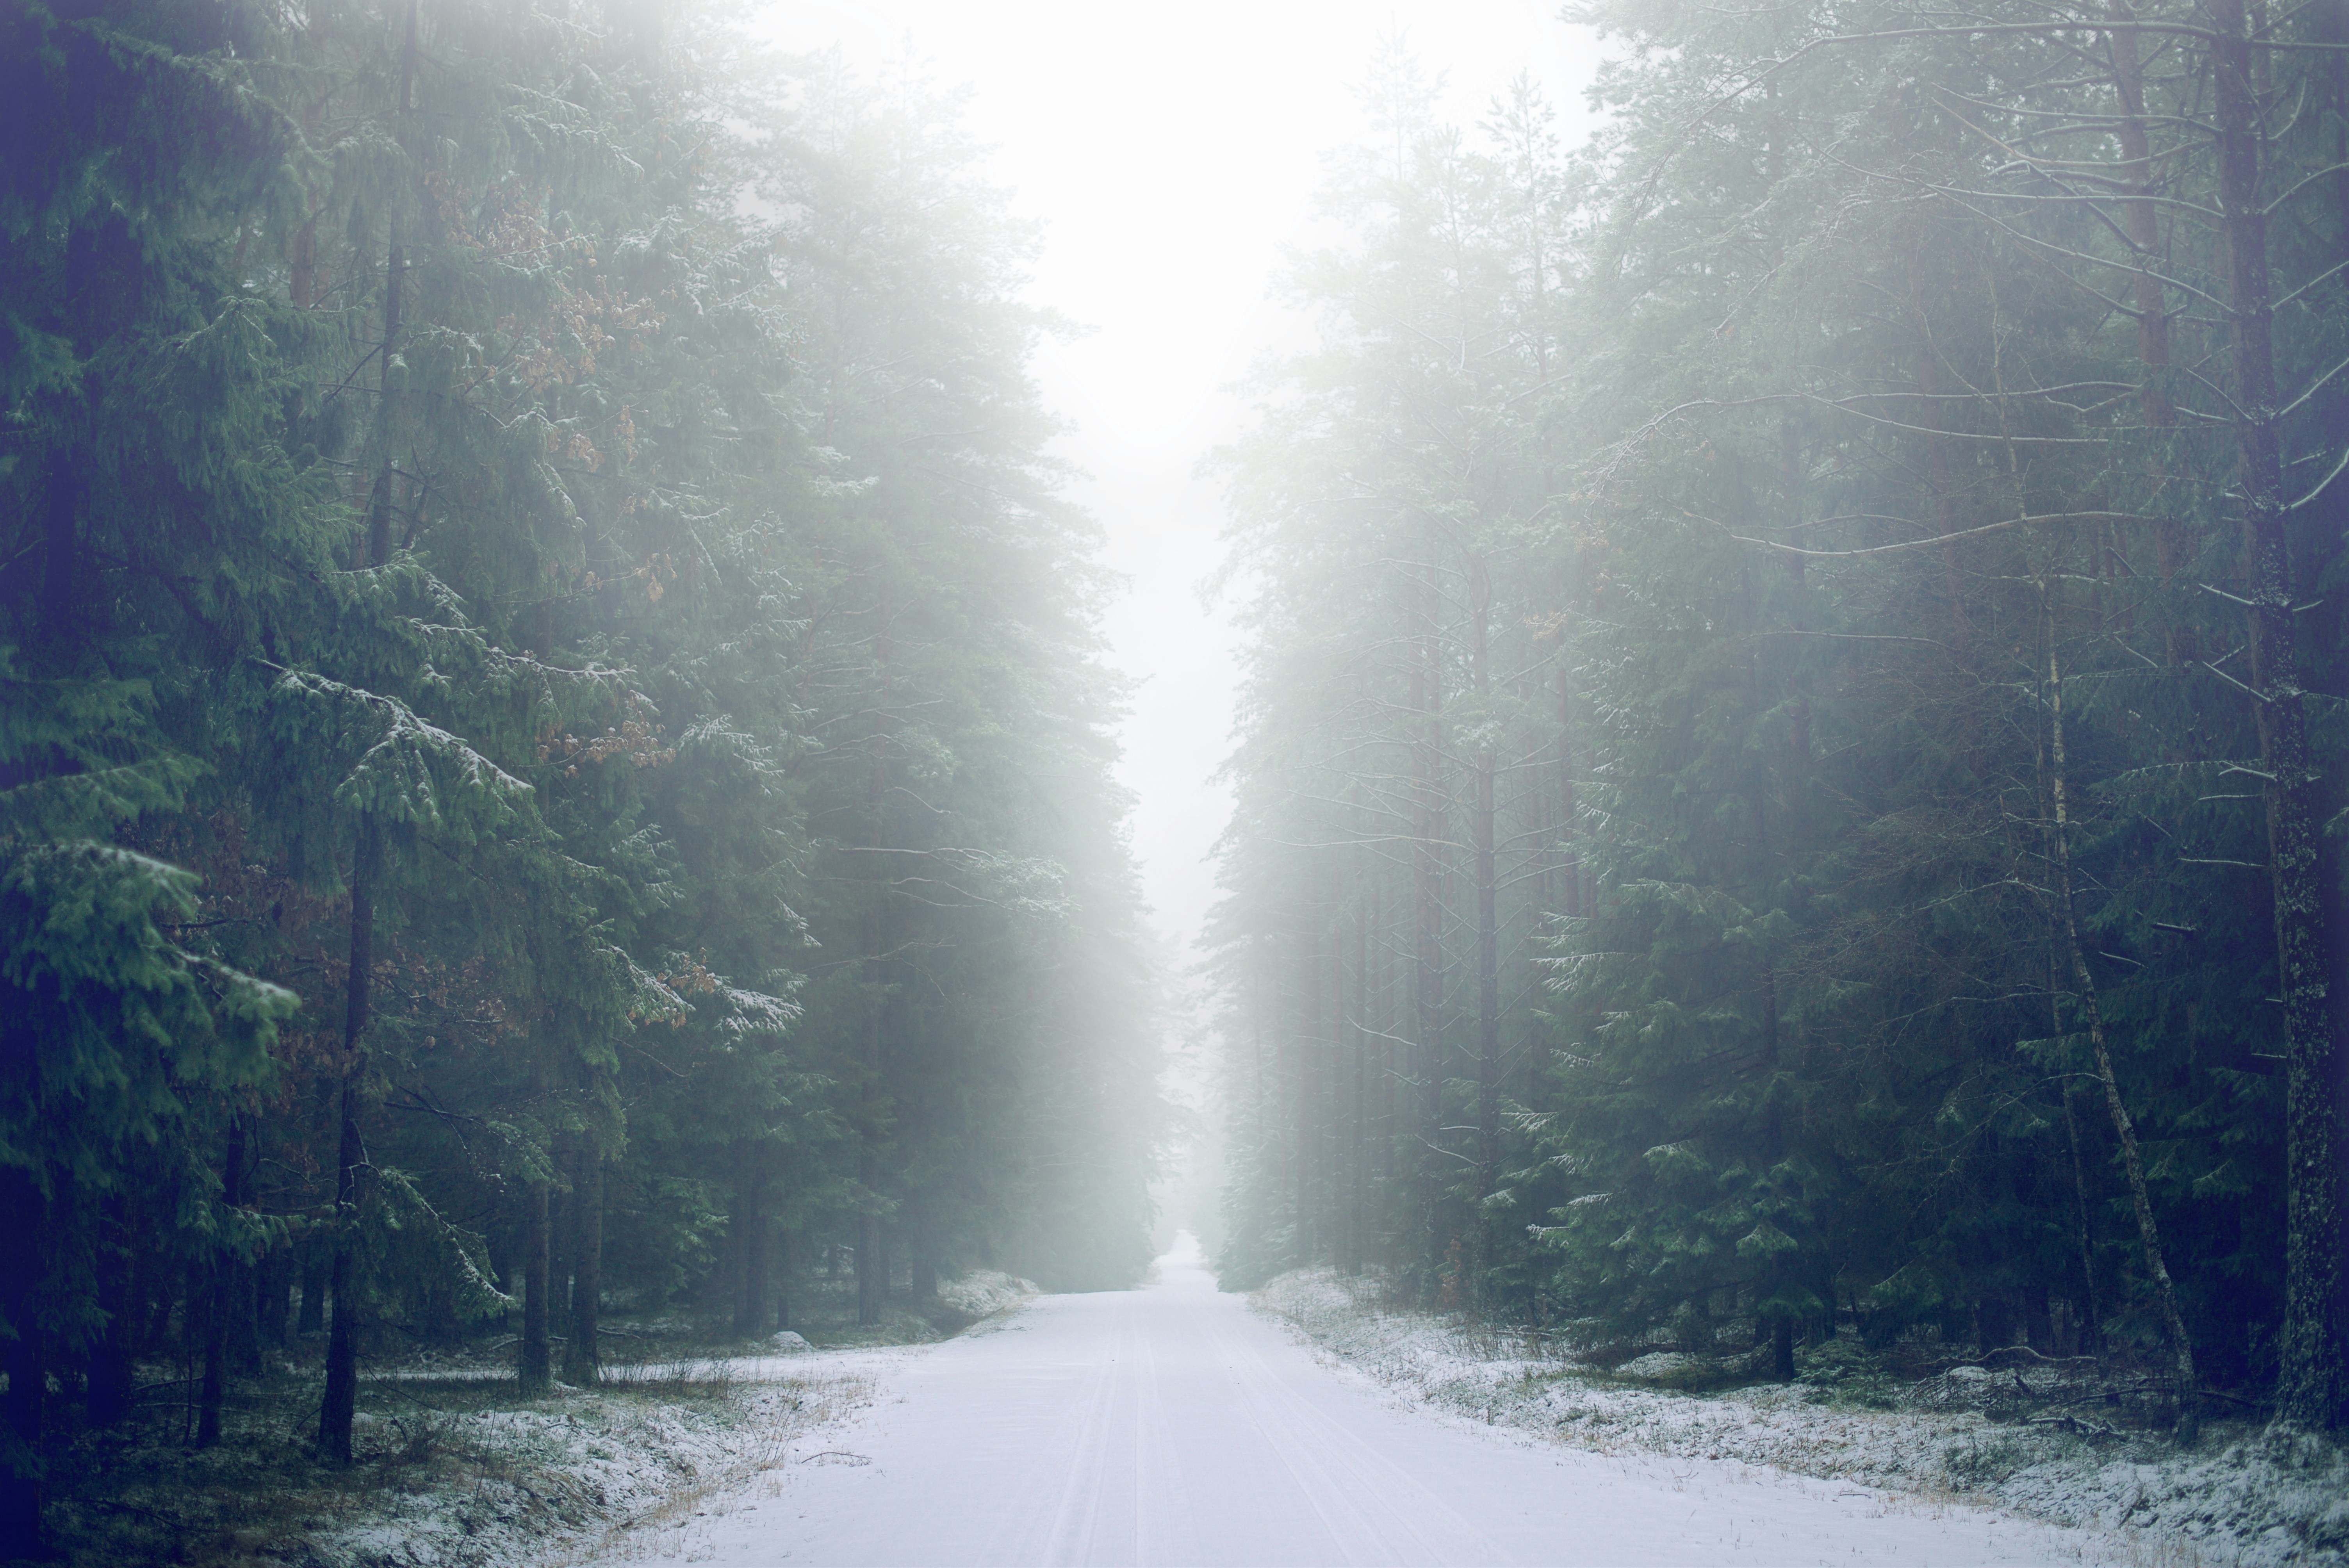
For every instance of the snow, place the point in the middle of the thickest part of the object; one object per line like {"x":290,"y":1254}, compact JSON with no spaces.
{"x":1175,"y":1424}
{"x":589,"y":1472}
{"x":2257,"y":1501}
{"x":983,"y":1293}
{"x":537,"y":1483}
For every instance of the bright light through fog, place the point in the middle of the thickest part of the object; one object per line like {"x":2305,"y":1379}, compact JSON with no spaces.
{"x":1172,"y":153}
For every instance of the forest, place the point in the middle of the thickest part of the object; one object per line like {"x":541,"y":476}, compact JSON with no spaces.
{"x":559,"y":756}
{"x":1792,"y":767}
{"x":553,"y":744}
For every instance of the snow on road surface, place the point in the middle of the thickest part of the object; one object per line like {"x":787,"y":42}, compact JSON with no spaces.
{"x":1172,"y":1425}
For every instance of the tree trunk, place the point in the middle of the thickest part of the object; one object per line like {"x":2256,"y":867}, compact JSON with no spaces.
{"x":26,"y":1399}
{"x":2148,"y":1235}
{"x":1288,"y":1149}
{"x":1569,"y":858}
{"x":222,"y":1303}
{"x":341,"y":1401}
{"x":872,"y":1287}
{"x":2309,"y":1351}
{"x":535,"y":1368}
{"x":1308,"y":1030}
{"x":1427,"y":988}
{"x":583,"y":1352}
{"x":750,"y":1238}
{"x":782,"y":1280}
{"x":1488,"y":940}
{"x":1390,"y":1059}
{"x":2092,"y":1323}
{"x":1358,"y":1153}
{"x":872,"y":1280}
{"x":561,"y":1234}
{"x":1261,"y":1099}
{"x":208,"y":1324}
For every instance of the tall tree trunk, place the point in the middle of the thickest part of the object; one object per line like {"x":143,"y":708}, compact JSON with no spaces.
{"x":561,"y":1225}
{"x":871,"y":1283}
{"x":1309,"y":1030}
{"x":1488,"y":939}
{"x":26,"y":1399}
{"x":1260,"y":1100}
{"x":341,"y":1401}
{"x":1427,"y":988}
{"x":1570,"y":858}
{"x":1393,"y":1064}
{"x":751,"y":1237}
{"x":872,"y":1270}
{"x":782,"y":1279}
{"x":583,"y":1352}
{"x":1358,"y":1154}
{"x":2149,"y":1234}
{"x":2309,"y":1391}
{"x":535,"y":1369}
{"x":1287,"y":1033}
{"x":222,"y":1304}
{"x":2091,"y":1321}
{"x":208,"y":1324}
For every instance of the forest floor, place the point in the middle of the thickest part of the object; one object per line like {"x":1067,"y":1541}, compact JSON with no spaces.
{"x":454,"y":1468}
{"x":2004,"y":1432}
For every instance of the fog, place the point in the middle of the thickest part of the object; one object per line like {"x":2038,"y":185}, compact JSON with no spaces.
{"x":1172,"y":156}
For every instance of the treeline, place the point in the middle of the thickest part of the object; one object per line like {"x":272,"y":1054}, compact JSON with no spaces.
{"x":551,"y":742}
{"x":1792,"y":774}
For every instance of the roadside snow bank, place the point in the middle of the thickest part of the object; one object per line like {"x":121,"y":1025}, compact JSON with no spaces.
{"x":506,"y":1488}
{"x":2256,"y":1500}
{"x":983,"y":1293}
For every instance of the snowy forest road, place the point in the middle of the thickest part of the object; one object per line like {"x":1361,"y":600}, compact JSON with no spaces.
{"x":1171,"y":1425}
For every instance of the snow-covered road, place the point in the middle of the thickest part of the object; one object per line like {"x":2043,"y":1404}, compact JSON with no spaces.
{"x":1172,"y":1426}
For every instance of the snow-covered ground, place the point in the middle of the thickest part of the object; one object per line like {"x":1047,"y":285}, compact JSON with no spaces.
{"x":456,"y":1472}
{"x":546,"y":1480}
{"x":983,"y":1293}
{"x":1174,"y":1425}
{"x":2254,"y":1501}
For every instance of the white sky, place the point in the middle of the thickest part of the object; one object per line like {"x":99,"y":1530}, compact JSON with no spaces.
{"x":1171,"y":151}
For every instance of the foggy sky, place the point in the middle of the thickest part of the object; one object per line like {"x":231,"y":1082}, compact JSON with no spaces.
{"x":1172,"y":152}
